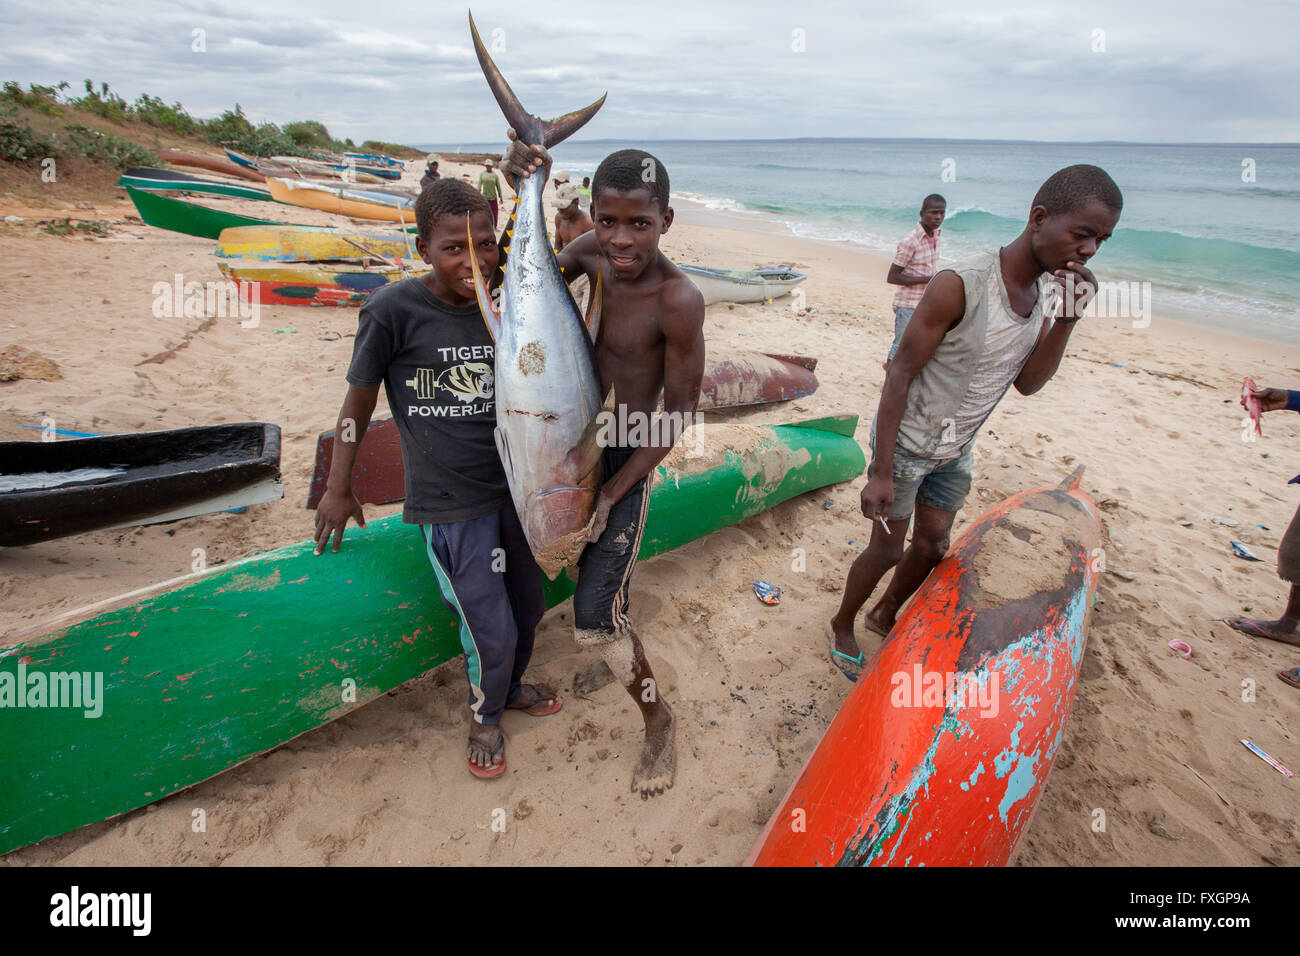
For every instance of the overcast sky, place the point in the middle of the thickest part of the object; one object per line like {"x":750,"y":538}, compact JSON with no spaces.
{"x":1199,"y":70}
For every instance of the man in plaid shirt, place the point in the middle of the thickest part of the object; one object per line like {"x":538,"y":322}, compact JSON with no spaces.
{"x":914,"y":263}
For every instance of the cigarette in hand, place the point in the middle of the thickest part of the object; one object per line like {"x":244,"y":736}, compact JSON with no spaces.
{"x":883,"y":523}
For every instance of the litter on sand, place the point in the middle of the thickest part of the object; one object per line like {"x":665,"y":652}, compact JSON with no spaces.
{"x":767,"y":593}
{"x":1226,"y":522}
{"x":1241,"y":551}
{"x":1266,"y":758}
{"x":1184,"y":649}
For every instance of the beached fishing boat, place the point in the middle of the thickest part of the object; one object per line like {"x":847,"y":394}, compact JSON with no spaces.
{"x":281,"y":243}
{"x":164,"y":212}
{"x":339,"y":282}
{"x":338,"y":166}
{"x":754,"y":285}
{"x":343,"y":202}
{"x":299,"y":169}
{"x":156,"y":180}
{"x":732,"y":378}
{"x":229,"y":665}
{"x":50,"y":489}
{"x":213,"y":164}
{"x":940,"y":752}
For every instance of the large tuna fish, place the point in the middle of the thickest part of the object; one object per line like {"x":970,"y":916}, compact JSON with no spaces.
{"x":547,"y":384}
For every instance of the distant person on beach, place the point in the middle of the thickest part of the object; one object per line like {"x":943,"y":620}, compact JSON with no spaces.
{"x":650,"y":338}
{"x":424,"y":339}
{"x":490,"y":187}
{"x":584,"y":194}
{"x":980,"y":327}
{"x":914,"y":263}
{"x":1285,"y":629}
{"x":431,"y":174}
{"x":570,"y":221}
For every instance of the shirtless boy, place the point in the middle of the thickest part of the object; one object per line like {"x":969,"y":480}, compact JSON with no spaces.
{"x":979,"y":328}
{"x":650,"y":338}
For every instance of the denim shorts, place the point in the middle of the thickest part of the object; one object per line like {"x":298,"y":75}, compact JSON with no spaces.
{"x":901,"y":317}
{"x":936,"y":483}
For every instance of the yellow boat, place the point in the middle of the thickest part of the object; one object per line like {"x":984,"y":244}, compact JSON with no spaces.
{"x":276,"y":243}
{"x":342,"y":202}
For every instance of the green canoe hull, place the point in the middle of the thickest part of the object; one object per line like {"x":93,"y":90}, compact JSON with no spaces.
{"x":245,"y":191}
{"x":163,"y":212}
{"x":203,"y":677}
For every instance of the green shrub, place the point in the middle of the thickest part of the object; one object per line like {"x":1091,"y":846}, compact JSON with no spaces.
{"x":19,"y":143}
{"x":66,"y":227}
{"x":104,"y":103}
{"x":107,"y":149}
{"x":152,"y":110}
{"x":43,"y":99}
{"x":309,"y":134}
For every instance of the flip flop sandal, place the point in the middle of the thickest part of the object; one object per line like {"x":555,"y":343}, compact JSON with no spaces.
{"x":1291,"y":677}
{"x":838,"y":656}
{"x":487,"y":773}
{"x":540,"y":708}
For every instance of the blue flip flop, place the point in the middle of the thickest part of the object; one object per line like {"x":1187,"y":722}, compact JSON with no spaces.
{"x":838,"y":655}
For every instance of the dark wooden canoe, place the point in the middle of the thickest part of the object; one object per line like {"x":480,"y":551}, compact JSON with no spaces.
{"x":731,"y":379}
{"x":95,"y":483}
{"x":193,"y":160}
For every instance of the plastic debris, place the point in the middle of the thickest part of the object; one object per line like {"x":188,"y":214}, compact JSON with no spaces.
{"x":1263,"y":526}
{"x":827,"y":505}
{"x":289,"y":330}
{"x":1226,"y":522}
{"x":1184,"y":649}
{"x":767,"y":593}
{"x":1266,"y":758}
{"x":1241,"y":551}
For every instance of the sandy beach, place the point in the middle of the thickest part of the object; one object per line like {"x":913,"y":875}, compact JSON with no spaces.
{"x":1152,"y":412}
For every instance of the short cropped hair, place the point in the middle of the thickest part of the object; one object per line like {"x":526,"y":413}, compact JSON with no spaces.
{"x":934,"y":199}
{"x":1074,"y":186}
{"x":630,"y":169}
{"x":447,"y":197}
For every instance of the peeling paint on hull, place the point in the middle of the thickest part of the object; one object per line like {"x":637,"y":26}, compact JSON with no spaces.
{"x":949,"y":782}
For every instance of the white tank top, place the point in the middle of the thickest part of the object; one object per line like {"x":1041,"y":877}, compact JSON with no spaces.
{"x":1007,"y":344}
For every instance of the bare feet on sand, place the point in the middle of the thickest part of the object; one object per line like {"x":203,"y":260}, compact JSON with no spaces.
{"x":654,"y":771}
{"x":1283,"y":630}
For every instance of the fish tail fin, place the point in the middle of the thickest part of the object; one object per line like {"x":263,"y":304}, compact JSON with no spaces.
{"x":532,"y":130}
{"x":491,"y":317}
{"x":593,"y":310}
{"x":1072,"y":480}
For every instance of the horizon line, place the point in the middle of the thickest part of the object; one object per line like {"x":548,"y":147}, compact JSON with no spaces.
{"x":920,"y":139}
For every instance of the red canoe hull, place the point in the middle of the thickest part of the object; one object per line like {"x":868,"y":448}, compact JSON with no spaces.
{"x":940,"y":752}
{"x":730,"y":379}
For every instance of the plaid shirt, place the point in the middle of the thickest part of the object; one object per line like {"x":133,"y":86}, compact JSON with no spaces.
{"x":918,"y":254}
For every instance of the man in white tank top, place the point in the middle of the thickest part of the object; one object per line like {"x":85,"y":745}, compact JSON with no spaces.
{"x":981,"y":327}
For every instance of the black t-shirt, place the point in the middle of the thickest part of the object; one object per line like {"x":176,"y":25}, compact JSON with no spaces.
{"x":436,"y":362}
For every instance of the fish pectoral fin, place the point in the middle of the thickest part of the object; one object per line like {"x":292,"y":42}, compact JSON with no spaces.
{"x":585,"y":455}
{"x":503,"y":452}
{"x":491,"y":317}
{"x":593,"y":311}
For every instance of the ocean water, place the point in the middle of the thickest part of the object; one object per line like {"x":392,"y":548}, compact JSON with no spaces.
{"x":1215,"y":229}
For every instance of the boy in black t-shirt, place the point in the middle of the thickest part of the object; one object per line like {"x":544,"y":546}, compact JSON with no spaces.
{"x":426,"y":341}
